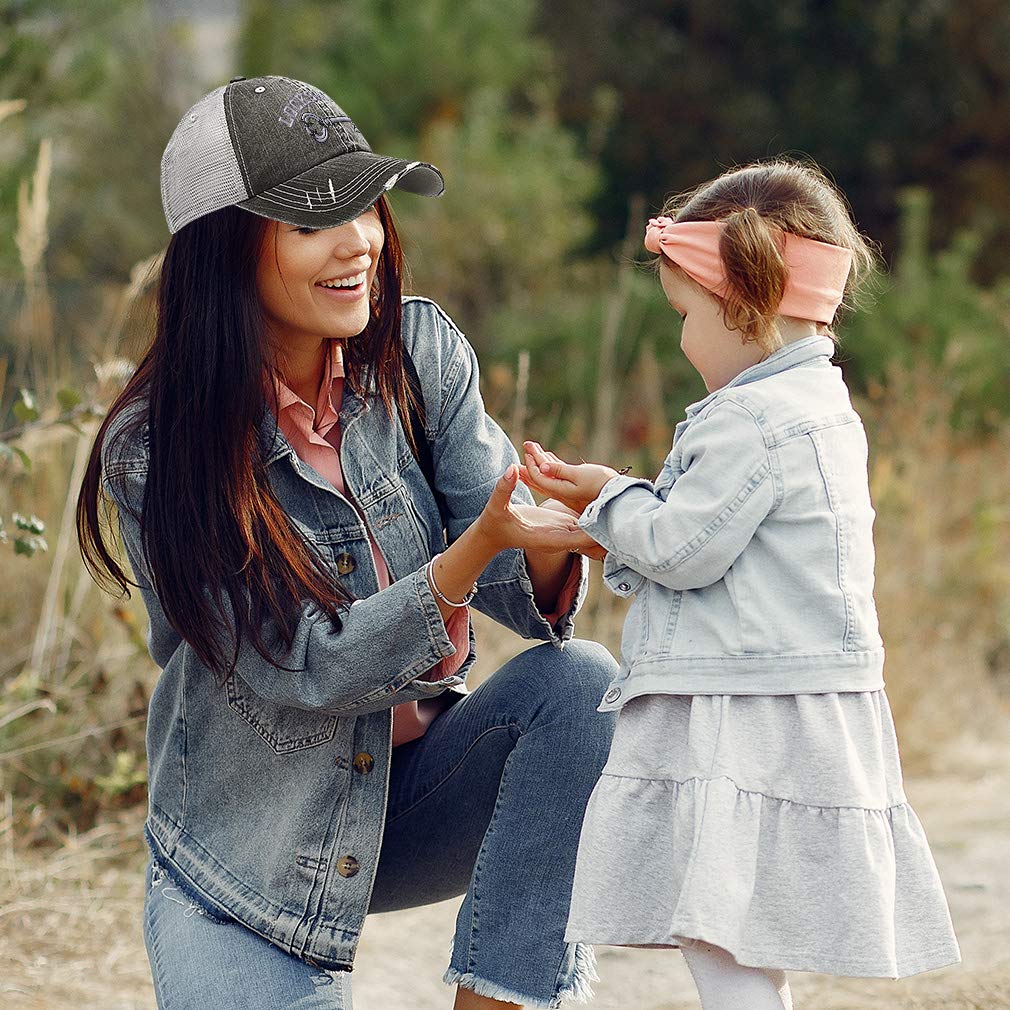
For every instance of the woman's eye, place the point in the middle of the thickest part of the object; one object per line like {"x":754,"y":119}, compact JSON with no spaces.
{"x":307,"y":230}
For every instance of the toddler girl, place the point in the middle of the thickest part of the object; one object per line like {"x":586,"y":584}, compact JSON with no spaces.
{"x":751,"y":811}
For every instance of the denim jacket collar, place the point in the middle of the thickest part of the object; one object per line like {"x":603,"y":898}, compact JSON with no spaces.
{"x":797,"y":353}
{"x":273,"y":444}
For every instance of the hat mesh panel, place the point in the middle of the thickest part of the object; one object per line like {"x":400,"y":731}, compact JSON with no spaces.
{"x":199,"y":170}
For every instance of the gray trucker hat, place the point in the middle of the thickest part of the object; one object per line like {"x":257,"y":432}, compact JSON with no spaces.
{"x":281,"y":149}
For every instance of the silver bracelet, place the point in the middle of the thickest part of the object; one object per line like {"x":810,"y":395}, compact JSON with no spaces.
{"x":430,"y":574}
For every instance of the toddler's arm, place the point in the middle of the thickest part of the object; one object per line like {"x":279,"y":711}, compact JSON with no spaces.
{"x":687,"y":537}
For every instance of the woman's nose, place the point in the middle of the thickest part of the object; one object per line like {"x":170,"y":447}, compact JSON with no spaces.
{"x":350,"y":240}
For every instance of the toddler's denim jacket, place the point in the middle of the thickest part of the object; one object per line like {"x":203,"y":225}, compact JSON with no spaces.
{"x":751,"y":555}
{"x":267,"y":797}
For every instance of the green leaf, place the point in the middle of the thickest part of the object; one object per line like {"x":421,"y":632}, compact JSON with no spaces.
{"x":68,"y":398}
{"x":26,"y":460}
{"x":32,"y":524}
{"x":25,"y":409}
{"x":29,"y":545}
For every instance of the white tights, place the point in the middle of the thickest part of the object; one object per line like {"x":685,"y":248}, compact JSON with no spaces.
{"x":725,"y":985}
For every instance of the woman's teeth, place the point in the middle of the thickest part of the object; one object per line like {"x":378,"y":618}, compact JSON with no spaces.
{"x":345,"y":282}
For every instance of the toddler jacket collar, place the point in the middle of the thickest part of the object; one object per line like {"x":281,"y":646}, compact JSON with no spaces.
{"x":797,"y":353}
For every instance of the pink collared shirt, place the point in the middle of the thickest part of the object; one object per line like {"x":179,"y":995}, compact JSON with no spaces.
{"x":314,"y":434}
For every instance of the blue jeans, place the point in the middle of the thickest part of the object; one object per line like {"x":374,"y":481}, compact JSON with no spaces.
{"x":489,"y":802}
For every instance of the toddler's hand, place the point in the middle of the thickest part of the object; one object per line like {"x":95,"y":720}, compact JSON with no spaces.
{"x":574,"y":484}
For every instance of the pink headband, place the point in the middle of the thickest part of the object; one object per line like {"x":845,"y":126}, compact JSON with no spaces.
{"x":817,"y":273}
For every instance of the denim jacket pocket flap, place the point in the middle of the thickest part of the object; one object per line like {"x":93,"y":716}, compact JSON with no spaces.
{"x":284,"y":728}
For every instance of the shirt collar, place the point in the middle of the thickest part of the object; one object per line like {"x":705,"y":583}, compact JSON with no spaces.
{"x":324,"y":413}
{"x":272,"y":440}
{"x":799,"y":352}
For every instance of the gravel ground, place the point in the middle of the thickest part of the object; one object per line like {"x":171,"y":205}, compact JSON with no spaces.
{"x":70,"y":934}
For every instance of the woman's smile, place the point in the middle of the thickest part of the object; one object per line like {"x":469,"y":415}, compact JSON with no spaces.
{"x":347,"y":288}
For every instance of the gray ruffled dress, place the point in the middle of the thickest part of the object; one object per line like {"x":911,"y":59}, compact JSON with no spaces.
{"x":775,"y":827}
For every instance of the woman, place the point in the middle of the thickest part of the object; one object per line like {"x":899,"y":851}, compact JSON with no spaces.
{"x":309,"y":492}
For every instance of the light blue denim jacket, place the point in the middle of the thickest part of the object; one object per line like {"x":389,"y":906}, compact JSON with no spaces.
{"x":267,"y":798}
{"x":751,"y":555}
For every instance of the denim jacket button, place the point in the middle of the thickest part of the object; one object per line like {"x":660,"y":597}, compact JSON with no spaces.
{"x":363,"y":762}
{"x":613,"y":694}
{"x":624,"y":587}
{"x":347,"y":866}
{"x":345,"y":563}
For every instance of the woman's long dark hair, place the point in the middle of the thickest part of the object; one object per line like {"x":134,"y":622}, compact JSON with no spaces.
{"x":222,"y":552}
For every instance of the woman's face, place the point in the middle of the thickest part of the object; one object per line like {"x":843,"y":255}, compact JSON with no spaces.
{"x":314,"y":285}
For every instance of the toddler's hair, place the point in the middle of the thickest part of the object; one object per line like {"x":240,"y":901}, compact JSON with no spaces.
{"x":753,"y":201}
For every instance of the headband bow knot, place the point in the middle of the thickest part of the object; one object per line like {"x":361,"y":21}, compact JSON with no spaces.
{"x":815,"y":281}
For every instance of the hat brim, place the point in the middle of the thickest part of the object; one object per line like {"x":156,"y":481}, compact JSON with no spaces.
{"x":339,"y":190}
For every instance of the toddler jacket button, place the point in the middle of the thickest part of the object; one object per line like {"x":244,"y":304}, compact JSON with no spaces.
{"x":613,"y":694}
{"x":363,"y":762}
{"x":347,"y":866}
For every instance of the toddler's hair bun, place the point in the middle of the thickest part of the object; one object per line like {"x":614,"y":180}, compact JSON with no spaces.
{"x":756,"y":273}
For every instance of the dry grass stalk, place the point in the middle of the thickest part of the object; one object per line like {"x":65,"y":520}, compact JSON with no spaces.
{"x":520,"y":407}
{"x":32,"y":238}
{"x":10,"y":106}
{"x":604,"y":435}
{"x":66,"y":542}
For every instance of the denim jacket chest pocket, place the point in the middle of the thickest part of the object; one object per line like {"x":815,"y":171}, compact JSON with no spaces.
{"x":283,"y":728}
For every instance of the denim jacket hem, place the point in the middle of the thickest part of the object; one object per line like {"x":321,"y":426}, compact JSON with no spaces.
{"x":788,"y":674}
{"x":208,"y":882}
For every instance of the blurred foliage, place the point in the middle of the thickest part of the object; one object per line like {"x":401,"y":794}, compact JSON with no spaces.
{"x":884,"y":95}
{"x":100,"y":79}
{"x":931,"y":309}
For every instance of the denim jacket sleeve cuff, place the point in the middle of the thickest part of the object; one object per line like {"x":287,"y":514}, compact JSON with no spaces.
{"x":592,"y":519}
{"x":563,"y":629}
{"x":442,"y":645}
{"x":619,"y":578}
{"x":507,"y":597}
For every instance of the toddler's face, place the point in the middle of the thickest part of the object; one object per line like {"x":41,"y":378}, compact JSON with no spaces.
{"x":716,"y":352}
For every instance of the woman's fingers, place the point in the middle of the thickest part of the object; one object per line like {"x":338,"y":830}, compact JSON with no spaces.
{"x":548,"y":537}
{"x":505,"y":485}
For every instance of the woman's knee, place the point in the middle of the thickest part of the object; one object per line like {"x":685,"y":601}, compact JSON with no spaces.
{"x":566,"y":683}
{"x":584,"y":668}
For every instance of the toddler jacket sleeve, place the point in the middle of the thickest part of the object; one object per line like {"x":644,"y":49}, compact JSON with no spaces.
{"x":687,"y":536}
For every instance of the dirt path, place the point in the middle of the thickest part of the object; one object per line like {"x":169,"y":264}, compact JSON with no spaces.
{"x":70,"y":937}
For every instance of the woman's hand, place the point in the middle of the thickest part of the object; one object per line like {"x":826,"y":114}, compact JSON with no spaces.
{"x":573,"y":484}
{"x":504,"y":524}
{"x":592,"y":549}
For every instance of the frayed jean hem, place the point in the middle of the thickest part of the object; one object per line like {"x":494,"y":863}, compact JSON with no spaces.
{"x":574,"y":986}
